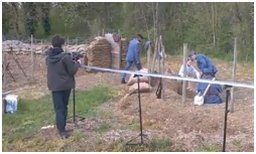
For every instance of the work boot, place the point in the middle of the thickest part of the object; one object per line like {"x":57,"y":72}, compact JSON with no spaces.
{"x":123,"y":81}
{"x":64,"y":135}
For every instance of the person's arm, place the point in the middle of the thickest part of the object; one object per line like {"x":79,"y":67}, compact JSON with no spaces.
{"x":195,"y":71}
{"x":72,"y":66}
{"x":181,"y":73}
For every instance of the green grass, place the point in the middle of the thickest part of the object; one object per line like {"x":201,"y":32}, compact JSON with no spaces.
{"x":156,"y":145}
{"x":238,"y":144}
{"x":208,"y":148}
{"x":162,"y":144}
{"x":33,"y":114}
{"x":104,"y":127}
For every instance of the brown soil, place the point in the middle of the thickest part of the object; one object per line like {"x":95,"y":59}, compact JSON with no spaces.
{"x":188,"y":127}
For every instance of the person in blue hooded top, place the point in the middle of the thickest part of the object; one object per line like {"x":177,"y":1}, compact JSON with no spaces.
{"x":133,"y":55}
{"x":205,"y":65}
{"x":213,"y":94}
{"x":208,"y":71}
{"x":147,"y":44}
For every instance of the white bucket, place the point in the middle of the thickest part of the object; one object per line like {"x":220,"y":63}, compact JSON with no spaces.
{"x":11,"y":103}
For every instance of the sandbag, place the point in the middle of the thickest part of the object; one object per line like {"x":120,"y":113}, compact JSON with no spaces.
{"x":133,"y":80}
{"x":144,"y":87}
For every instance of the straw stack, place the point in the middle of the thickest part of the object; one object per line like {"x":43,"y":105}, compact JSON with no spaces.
{"x":124,"y":48}
{"x":115,"y":52}
{"x":99,"y":53}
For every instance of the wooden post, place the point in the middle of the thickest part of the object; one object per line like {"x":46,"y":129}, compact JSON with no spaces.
{"x":158,"y":55}
{"x":162,"y":50}
{"x":185,"y":73}
{"x":32,"y":58}
{"x":148,"y":62}
{"x":4,"y":69}
{"x":119,"y":52}
{"x":154,"y":56}
{"x":233,"y":76}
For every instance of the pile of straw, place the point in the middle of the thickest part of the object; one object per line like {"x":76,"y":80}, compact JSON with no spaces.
{"x":99,"y":53}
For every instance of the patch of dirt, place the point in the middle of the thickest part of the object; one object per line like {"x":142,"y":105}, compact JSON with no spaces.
{"x":188,"y":127}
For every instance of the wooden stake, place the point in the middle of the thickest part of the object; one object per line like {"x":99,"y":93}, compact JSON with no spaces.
{"x":148,"y":62}
{"x":32,"y":58}
{"x":154,"y":56}
{"x":162,"y":50}
{"x":233,"y":76}
{"x":4,"y":69}
{"x":185,"y":73}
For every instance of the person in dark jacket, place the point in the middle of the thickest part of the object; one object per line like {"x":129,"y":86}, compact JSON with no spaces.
{"x":213,"y":95}
{"x":204,"y":64}
{"x":208,"y":72}
{"x":60,"y":80}
{"x":133,"y":55}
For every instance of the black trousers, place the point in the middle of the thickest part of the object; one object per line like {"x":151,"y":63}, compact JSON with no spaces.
{"x":60,"y":103}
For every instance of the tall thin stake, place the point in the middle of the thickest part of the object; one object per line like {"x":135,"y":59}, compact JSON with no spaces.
{"x":233,"y":76}
{"x":185,"y":72}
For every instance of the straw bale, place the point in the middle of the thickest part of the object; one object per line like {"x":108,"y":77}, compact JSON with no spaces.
{"x":99,"y":53}
{"x":124,"y":48}
{"x":115,"y":52}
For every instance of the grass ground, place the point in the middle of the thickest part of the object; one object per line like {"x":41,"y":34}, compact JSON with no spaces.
{"x":36,"y":113}
{"x":22,"y":130}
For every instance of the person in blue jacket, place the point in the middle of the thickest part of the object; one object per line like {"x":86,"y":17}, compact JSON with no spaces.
{"x":213,"y":94}
{"x":147,"y":44}
{"x":205,"y":65}
{"x":133,"y":55}
{"x":208,"y":72}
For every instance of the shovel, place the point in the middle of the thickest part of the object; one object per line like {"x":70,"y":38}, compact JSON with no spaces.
{"x":199,"y":99}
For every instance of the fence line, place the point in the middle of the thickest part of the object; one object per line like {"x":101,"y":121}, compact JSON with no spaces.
{"x":227,"y":83}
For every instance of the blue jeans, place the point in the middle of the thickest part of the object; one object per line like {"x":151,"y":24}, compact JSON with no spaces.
{"x":60,"y":103}
{"x":128,"y":66}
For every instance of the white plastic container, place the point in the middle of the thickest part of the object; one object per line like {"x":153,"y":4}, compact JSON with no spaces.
{"x":11,"y":103}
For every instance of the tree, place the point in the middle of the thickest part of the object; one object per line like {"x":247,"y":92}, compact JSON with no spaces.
{"x":10,"y":18}
{"x":31,"y":18}
{"x":44,"y":9}
{"x":6,"y":18}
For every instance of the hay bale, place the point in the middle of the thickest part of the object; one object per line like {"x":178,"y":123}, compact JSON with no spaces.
{"x":99,"y":53}
{"x":124,"y":48}
{"x":115,"y":52}
{"x":85,"y":60}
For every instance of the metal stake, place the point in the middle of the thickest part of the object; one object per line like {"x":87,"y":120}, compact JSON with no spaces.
{"x":226,"y":117}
